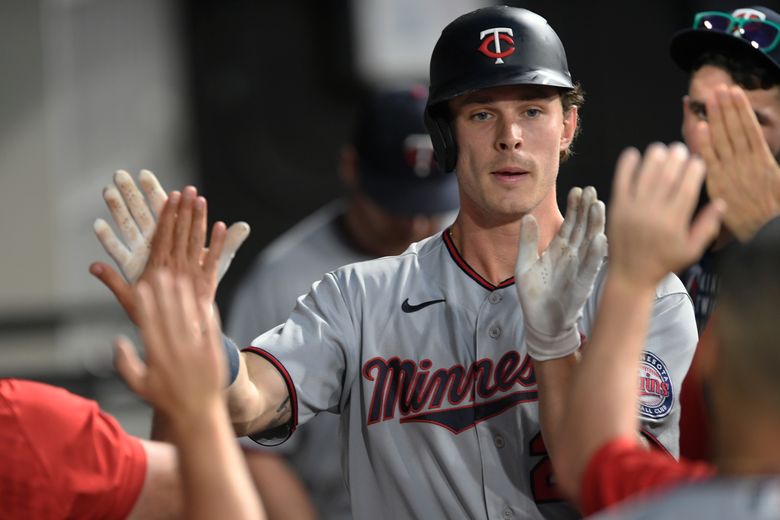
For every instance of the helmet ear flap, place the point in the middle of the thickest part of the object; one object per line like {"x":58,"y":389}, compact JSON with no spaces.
{"x":445,"y":148}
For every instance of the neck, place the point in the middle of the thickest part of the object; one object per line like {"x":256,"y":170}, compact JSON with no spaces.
{"x":490,"y":246}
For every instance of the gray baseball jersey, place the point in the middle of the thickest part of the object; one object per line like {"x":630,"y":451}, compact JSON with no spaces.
{"x":746,"y":498}
{"x":285,"y":270}
{"x":425,"y":361}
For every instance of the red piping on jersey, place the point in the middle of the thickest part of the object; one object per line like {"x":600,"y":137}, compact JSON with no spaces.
{"x":470,"y":271}
{"x":654,"y":442}
{"x":287,"y":380}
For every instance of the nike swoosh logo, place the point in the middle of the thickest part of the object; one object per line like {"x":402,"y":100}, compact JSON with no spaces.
{"x":407,"y":307}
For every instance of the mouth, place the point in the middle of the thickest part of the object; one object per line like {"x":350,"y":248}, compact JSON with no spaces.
{"x":510,"y":173}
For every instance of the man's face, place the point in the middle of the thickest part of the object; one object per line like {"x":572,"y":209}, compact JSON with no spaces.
{"x":509,"y":145}
{"x":390,"y":233}
{"x":765,"y":103}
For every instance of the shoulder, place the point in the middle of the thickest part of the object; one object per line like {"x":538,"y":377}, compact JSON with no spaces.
{"x":418,"y":258}
{"x":746,"y":497}
{"x":315,"y":231}
{"x":670,"y":287}
{"x":304,"y":253}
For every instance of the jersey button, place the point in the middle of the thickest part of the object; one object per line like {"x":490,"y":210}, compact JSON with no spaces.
{"x":508,"y":513}
{"x":499,"y":441}
{"x":494,"y":331}
{"x":495,"y":297}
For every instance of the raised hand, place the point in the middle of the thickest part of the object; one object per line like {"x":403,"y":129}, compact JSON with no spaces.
{"x":553,"y":287}
{"x":185,"y":366}
{"x":136,"y":220}
{"x":740,"y":167}
{"x":178,"y":245}
{"x":653,"y":199}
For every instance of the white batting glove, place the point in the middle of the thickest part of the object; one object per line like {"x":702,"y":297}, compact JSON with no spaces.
{"x":553,"y":288}
{"x":136,"y":221}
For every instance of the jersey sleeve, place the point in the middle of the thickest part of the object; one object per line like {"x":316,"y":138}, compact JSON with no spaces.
{"x":622,"y":468}
{"x":64,"y":458}
{"x":667,"y":355}
{"x":314,"y":350}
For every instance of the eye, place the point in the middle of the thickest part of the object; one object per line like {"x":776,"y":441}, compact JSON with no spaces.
{"x":533,"y":113}
{"x":699,"y":110}
{"x":480,"y":116}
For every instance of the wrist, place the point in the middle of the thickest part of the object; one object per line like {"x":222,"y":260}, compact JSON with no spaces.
{"x":625,"y":280}
{"x":192,"y":421}
{"x":546,"y":347}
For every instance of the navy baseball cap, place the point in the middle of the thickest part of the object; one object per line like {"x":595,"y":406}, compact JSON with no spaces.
{"x":396,"y":166}
{"x":753,"y":31}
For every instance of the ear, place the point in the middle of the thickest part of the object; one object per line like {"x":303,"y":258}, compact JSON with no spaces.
{"x":348,"y":167}
{"x":569,"y":127}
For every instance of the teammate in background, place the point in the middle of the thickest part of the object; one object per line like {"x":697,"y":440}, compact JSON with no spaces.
{"x":739,"y":48}
{"x":397,"y":196}
{"x":61,"y":457}
{"x":385,"y":342}
{"x":600,"y":462}
{"x":722,"y":52}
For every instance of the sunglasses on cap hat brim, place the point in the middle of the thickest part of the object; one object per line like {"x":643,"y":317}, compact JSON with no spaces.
{"x":763,"y":35}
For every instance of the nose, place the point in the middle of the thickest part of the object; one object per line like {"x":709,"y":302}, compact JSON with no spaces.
{"x":509,"y":137}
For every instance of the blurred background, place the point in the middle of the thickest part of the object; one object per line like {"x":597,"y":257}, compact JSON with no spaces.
{"x":249,"y":101}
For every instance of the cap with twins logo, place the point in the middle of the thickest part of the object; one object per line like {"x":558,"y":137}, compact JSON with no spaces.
{"x":749,"y":30}
{"x":396,"y":165}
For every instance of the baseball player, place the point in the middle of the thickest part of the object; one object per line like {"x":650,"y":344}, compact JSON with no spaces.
{"x":396,"y":196}
{"x":600,"y":461}
{"x":738,"y":48}
{"x":731,"y":117}
{"x":425,"y":355}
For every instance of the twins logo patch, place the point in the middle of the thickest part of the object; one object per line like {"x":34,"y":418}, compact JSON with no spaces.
{"x":655,"y":387}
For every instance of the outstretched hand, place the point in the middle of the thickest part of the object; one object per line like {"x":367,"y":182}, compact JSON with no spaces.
{"x":135,"y":219}
{"x":553,"y":287}
{"x":184,"y":369}
{"x":741,"y":169}
{"x":653,"y":199}
{"x":178,"y":245}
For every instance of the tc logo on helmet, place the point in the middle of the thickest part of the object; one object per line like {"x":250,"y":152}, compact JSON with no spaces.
{"x":496,"y":35}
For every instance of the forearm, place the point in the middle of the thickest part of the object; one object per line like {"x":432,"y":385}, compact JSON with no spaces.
{"x":258,"y":399}
{"x":605,"y":384}
{"x":553,"y":379}
{"x":281,"y":490}
{"x":215,"y":477}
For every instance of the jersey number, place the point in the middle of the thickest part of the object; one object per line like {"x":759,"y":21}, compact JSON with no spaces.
{"x":542,"y":478}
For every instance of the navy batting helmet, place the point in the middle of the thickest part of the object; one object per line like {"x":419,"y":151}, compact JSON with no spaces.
{"x":489,"y":47}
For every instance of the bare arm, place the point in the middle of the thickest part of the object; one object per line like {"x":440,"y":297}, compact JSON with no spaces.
{"x":553,"y":380}
{"x":281,"y":491}
{"x":183,"y":379}
{"x":258,"y":400}
{"x":650,"y":235}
